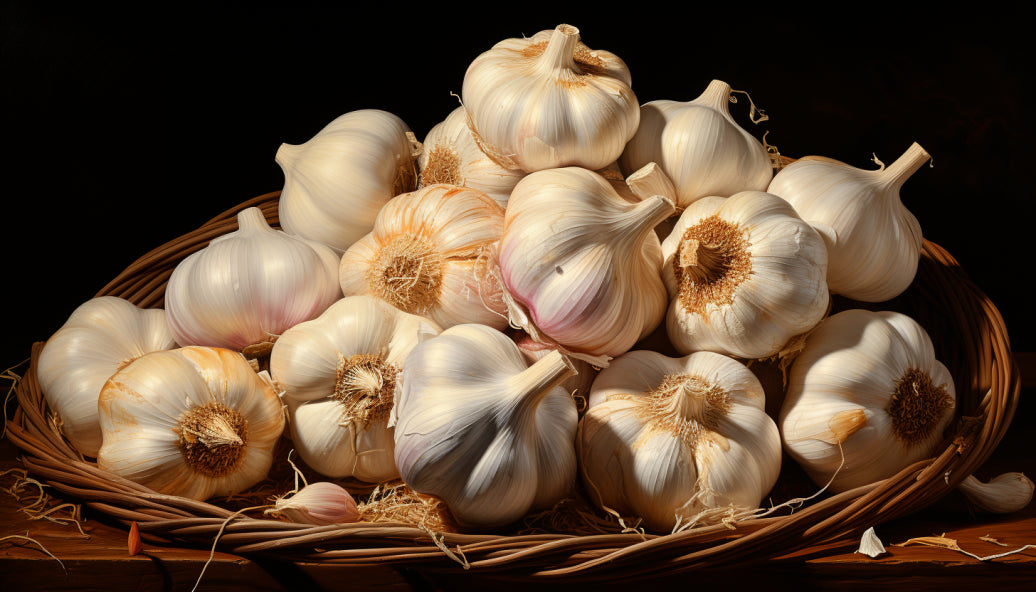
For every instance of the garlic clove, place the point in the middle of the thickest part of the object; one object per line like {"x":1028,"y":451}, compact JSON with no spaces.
{"x":1004,"y":494}
{"x":319,"y":503}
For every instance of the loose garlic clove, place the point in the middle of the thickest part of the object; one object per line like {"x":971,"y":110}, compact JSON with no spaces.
{"x":195,"y":422}
{"x":338,"y":374}
{"x":677,"y":441}
{"x":450,"y":155}
{"x":873,"y":241}
{"x":479,"y":428}
{"x":100,"y":337}
{"x":581,"y":264}
{"x":699,"y":146}
{"x":549,"y":101}
{"x":335,"y":183}
{"x":745,"y":275}
{"x":319,"y":503}
{"x":1004,"y":494}
{"x":865,"y":398}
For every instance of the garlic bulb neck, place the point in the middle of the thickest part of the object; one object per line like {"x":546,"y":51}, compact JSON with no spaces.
{"x":407,"y":273}
{"x":894,"y":175}
{"x":212,"y":439}
{"x":365,"y":385}
{"x":717,"y":96}
{"x":917,"y":406}
{"x":712,"y":260}
{"x":534,"y":383}
{"x":633,"y":229}
{"x":560,"y":51}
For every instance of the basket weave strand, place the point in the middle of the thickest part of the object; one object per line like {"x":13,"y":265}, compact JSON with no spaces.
{"x":967,"y":330}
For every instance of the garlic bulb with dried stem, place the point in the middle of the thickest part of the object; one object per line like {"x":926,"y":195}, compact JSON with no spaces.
{"x":549,"y":101}
{"x":196,"y":422}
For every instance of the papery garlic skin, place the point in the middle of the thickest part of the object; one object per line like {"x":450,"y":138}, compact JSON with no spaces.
{"x":98,"y":338}
{"x":873,"y":241}
{"x":699,"y":146}
{"x":431,"y":253}
{"x":338,"y":375}
{"x":865,"y":392}
{"x":196,"y":422}
{"x":548,"y":101}
{"x":677,"y":441}
{"x":319,"y":503}
{"x":335,"y":182}
{"x":745,"y":274}
{"x":582,"y":265}
{"x":450,"y":155}
{"x":482,"y":430}
{"x":1004,"y":494}
{"x":248,"y":286}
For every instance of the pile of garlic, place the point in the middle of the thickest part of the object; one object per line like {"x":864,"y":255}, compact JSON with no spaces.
{"x":476,"y":314}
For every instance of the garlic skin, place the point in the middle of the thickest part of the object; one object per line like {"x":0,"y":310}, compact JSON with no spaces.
{"x":549,"y":101}
{"x":873,"y":241}
{"x":431,"y":253}
{"x":450,"y":155}
{"x":866,"y":386}
{"x":338,"y":375}
{"x":744,"y":276}
{"x":699,"y":146}
{"x":248,"y":286}
{"x":1004,"y":494}
{"x":335,"y":182}
{"x":319,"y":503}
{"x":582,"y":265}
{"x":196,"y":422}
{"x":677,"y":441}
{"x":479,"y":428}
{"x":101,"y":335}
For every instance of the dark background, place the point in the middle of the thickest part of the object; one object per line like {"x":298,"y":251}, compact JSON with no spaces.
{"x":127,"y":128}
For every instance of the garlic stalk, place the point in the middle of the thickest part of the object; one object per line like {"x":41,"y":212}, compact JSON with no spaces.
{"x":865,"y":398}
{"x":549,"y":101}
{"x":319,"y":503}
{"x":873,"y":241}
{"x":335,"y":182}
{"x":1003,"y":494}
{"x":479,"y":428}
{"x":699,"y":146}
{"x":677,"y":441}
{"x":101,"y":336}
{"x":248,"y":286}
{"x":582,"y":265}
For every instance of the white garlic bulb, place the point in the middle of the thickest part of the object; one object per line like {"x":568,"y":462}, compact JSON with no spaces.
{"x":100,"y":336}
{"x":873,"y":241}
{"x":744,"y":274}
{"x":450,"y":155}
{"x":699,"y":146}
{"x":248,"y":286}
{"x":479,"y":428}
{"x":549,"y":101}
{"x":335,"y":183}
{"x":677,"y":441}
{"x":431,"y":254}
{"x":338,"y":375}
{"x":865,"y":398}
{"x":318,"y":503}
{"x":196,"y":422}
{"x":581,"y":264}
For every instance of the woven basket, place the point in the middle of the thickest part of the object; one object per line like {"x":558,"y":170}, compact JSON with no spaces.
{"x":969,"y":336}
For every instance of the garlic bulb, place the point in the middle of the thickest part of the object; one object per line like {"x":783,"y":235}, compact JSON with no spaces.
{"x":479,"y":428}
{"x":549,"y":101}
{"x":196,"y":422}
{"x":744,"y":274}
{"x":866,"y":391}
{"x":430,"y":253}
{"x":582,"y":265}
{"x":338,"y":374}
{"x":699,"y":146}
{"x":319,"y":503}
{"x":873,"y":241}
{"x":100,"y":336}
{"x":248,"y":286}
{"x":1003,"y":494}
{"x":335,"y":183}
{"x":450,"y":155}
{"x":677,"y":441}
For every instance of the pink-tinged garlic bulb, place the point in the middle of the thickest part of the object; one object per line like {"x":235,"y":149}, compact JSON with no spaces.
{"x":582,"y":265}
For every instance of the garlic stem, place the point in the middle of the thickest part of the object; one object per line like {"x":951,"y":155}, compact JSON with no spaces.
{"x":533,"y":383}
{"x":650,"y":180}
{"x":560,"y":51}
{"x":893,"y":176}
{"x":717,"y":96}
{"x":641,"y":219}
{"x":251,"y":219}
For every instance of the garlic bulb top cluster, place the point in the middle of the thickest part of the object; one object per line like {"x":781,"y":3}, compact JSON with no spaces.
{"x":699,"y":146}
{"x":100,"y":337}
{"x":873,"y":241}
{"x":335,"y":182}
{"x":549,"y":101}
{"x":248,"y":286}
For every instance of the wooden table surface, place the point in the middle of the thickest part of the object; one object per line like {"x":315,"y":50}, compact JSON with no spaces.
{"x":93,"y":555}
